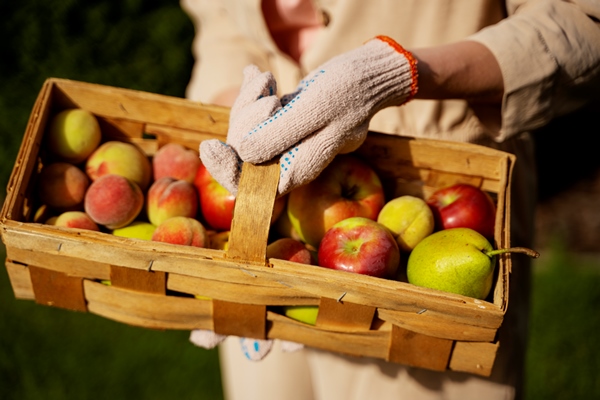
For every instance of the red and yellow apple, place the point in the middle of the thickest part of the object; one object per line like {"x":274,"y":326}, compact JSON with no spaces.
{"x":175,"y":161}
{"x":348,"y":187}
{"x":409,"y":219}
{"x":463,"y":206}
{"x":217,"y":203}
{"x":73,"y":134}
{"x":360,"y":245}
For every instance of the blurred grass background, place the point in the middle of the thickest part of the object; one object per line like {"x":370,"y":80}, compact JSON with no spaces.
{"x":48,"y":353}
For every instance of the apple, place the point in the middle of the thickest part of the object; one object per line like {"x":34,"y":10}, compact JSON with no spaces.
{"x":137,"y":230}
{"x":362,"y":246}
{"x":348,"y":187}
{"x":217,"y":203}
{"x":294,"y":250}
{"x":463,"y":206}
{"x":306,"y":314}
{"x":409,"y":219}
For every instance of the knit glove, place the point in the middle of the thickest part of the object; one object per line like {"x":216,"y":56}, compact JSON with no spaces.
{"x":253,"y":349}
{"x":255,"y":103}
{"x":328,"y":114}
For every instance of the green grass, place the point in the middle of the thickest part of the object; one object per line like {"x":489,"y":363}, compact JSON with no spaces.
{"x":563,"y":358}
{"x":50,"y":353}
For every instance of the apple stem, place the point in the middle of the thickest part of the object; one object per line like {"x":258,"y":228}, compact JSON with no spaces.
{"x":522,"y":250}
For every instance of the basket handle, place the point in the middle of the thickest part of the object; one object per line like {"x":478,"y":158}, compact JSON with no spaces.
{"x":252,"y":213}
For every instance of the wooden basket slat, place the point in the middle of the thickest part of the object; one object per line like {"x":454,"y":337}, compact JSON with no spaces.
{"x":407,"y":166}
{"x":125,"y":104}
{"x":147,"y":309}
{"x":20,"y":280}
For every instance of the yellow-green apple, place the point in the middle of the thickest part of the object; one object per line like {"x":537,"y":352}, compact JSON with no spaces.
{"x":113,"y":201}
{"x":62,"y":186}
{"x":169,"y":197}
{"x":175,"y":161}
{"x":121,"y":158}
{"x":463,"y":206}
{"x":362,"y":246}
{"x":73,"y":134}
{"x":348,"y":187}
{"x":306,"y":314}
{"x":181,"y":230}
{"x":136,"y":230}
{"x":409,"y":219}
{"x":217,"y":203}
{"x":219,"y":240}
{"x":75,"y":219}
{"x":456,"y":260}
{"x":289,"y":249}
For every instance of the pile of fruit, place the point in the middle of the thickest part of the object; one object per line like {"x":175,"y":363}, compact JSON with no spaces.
{"x":341,"y":220}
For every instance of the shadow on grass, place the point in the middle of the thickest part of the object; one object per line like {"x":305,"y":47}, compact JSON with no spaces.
{"x":563,"y":359}
{"x":49,"y":353}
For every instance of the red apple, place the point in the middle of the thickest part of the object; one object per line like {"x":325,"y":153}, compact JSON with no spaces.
{"x":217,"y":203}
{"x":463,"y":206}
{"x":348,"y":187}
{"x":362,"y":246}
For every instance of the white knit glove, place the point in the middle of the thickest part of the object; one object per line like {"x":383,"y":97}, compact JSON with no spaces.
{"x":256,"y":102}
{"x":328,"y":114}
{"x":253,"y":349}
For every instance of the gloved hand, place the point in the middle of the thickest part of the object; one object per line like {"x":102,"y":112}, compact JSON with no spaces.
{"x":328,"y":114}
{"x":253,"y":349}
{"x":256,"y":102}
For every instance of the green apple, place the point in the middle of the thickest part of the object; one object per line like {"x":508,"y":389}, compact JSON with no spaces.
{"x":456,"y":260}
{"x":73,"y":135}
{"x":306,"y":314}
{"x":409,"y":219}
{"x":136,"y":230}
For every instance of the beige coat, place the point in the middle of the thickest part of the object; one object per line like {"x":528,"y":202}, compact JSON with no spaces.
{"x":549,"y":55}
{"x":546,"y":50}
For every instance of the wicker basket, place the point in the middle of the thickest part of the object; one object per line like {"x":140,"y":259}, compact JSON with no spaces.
{"x":153,"y":284}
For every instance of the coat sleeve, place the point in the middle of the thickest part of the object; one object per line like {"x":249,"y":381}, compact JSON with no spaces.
{"x":220,"y":49}
{"x":549,"y":55}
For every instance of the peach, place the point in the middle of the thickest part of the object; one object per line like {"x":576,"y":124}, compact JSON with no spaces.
{"x":73,"y":135}
{"x":62,"y":186}
{"x":169,"y":197}
{"x":75,"y":219}
{"x":121,"y":158}
{"x":175,"y":161}
{"x":181,"y":230}
{"x":113,"y":201}
{"x":289,"y":249}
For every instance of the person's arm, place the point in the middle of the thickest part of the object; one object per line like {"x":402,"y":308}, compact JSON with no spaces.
{"x":463,"y":70}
